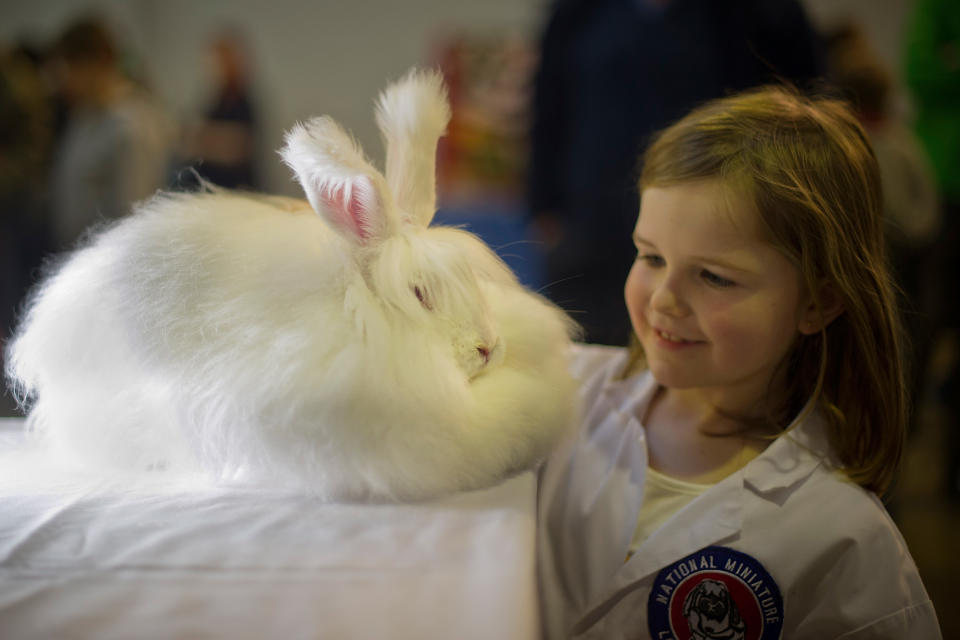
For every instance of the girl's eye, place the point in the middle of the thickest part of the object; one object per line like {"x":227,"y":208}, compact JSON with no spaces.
{"x":652,"y":259}
{"x":715,"y":280}
{"x":422,"y":297}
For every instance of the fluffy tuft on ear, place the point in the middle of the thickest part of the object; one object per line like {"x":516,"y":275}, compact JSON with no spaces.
{"x":338,"y":181}
{"x":412,"y":114}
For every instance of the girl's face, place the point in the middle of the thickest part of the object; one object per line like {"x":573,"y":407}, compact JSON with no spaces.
{"x":715,"y":306}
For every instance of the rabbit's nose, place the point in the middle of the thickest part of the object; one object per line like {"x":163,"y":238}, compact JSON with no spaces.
{"x":484,"y":353}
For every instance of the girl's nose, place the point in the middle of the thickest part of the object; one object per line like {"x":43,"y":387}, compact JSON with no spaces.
{"x":667,"y":299}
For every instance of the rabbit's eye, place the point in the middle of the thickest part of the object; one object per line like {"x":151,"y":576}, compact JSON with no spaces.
{"x":422,"y":297}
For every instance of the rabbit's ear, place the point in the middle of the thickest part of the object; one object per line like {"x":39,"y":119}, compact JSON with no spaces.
{"x":412,"y":115}
{"x":339,"y":182}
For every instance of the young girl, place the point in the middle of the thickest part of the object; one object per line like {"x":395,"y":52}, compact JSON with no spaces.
{"x":734,"y":455}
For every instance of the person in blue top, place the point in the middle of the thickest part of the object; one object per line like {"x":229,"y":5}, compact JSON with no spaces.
{"x":611,"y":73}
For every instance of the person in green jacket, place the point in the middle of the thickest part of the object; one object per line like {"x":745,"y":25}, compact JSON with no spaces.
{"x":932,"y":68}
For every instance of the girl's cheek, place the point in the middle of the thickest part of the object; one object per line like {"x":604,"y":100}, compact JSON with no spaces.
{"x":633,"y":289}
{"x":636,"y":297}
{"x":718,"y":323}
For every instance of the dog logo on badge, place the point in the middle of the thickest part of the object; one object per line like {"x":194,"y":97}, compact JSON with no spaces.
{"x":715,"y":594}
{"x":711,"y":613}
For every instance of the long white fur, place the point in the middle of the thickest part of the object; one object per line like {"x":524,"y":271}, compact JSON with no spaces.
{"x":244,"y":338}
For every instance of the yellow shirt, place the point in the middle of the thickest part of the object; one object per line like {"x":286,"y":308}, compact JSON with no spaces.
{"x":662,"y":497}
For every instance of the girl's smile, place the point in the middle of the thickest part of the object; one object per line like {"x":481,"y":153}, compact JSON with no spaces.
{"x":671,"y":341}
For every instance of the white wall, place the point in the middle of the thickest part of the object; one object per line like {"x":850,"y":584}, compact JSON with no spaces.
{"x":332,"y":56}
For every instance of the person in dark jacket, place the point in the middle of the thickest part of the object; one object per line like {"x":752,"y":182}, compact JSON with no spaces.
{"x":613,"y":72}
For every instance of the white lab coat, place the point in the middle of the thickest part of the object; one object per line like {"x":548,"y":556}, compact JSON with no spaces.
{"x":786,"y":547}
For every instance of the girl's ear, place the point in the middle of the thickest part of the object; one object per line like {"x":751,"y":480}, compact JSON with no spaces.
{"x":820,"y":310}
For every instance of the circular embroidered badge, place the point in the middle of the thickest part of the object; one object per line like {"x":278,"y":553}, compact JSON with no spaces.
{"x":715,"y":594}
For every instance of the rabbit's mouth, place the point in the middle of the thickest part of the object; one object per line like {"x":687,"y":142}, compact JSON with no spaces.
{"x":483,"y":359}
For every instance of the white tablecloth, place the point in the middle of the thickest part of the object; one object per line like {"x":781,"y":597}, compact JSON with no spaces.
{"x":176,"y":562}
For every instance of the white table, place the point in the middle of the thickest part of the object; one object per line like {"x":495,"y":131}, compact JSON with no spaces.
{"x":181,"y":562}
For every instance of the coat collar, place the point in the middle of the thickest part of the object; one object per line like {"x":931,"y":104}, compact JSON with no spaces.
{"x":792,"y":457}
{"x":789,"y":459}
{"x":718,"y":513}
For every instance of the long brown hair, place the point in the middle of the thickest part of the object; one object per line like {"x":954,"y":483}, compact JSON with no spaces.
{"x":807,"y":167}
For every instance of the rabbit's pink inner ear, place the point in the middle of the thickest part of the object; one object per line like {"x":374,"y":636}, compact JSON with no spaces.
{"x":353,"y":208}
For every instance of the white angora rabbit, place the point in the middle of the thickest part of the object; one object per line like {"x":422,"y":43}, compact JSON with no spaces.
{"x":356,"y":353}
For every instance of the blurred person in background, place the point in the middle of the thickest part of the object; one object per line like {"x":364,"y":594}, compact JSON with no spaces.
{"x":220,"y":146}
{"x":26,"y":131}
{"x":611,"y":73}
{"x":116,"y":144}
{"x":932,"y":68}
{"x":911,"y":204}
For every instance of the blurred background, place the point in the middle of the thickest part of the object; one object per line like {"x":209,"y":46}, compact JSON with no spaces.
{"x":103,"y":103}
